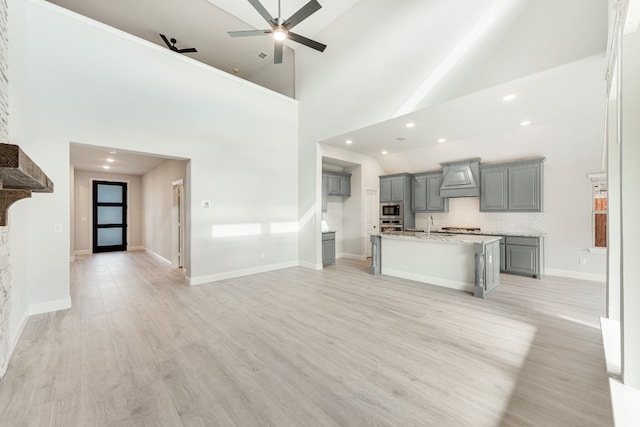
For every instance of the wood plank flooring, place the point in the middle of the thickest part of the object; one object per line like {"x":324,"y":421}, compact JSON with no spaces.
{"x":296,"y":347}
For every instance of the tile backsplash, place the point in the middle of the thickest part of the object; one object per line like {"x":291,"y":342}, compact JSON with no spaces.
{"x":465,"y":212}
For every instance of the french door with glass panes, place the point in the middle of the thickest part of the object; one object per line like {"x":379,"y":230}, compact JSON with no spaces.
{"x":109,"y":216}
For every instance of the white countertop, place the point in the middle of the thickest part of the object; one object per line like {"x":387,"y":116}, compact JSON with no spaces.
{"x":453,"y":238}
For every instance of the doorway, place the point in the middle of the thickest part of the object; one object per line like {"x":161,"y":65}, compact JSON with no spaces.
{"x":109,"y":216}
{"x":177,"y":224}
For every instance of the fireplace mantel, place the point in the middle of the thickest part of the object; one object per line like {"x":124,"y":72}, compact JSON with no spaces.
{"x":19,"y":177}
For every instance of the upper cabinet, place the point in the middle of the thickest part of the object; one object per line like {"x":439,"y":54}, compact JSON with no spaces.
{"x":335,"y":184}
{"x":425,"y":193}
{"x":512,"y":187}
{"x":395,"y":188}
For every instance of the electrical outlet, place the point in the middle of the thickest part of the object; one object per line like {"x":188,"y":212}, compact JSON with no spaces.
{"x":57,"y":228}
{"x":206,"y":203}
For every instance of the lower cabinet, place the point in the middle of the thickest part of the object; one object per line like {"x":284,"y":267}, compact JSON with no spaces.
{"x":521,"y":255}
{"x":328,"y":248}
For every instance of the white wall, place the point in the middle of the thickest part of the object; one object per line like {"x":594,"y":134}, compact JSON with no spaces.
{"x":157,"y":193}
{"x":74,"y":80}
{"x":83,"y":208}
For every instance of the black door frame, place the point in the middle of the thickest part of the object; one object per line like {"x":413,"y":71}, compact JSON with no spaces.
{"x":123,"y":224}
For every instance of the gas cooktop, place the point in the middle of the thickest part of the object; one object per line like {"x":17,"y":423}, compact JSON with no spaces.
{"x":462,"y":229}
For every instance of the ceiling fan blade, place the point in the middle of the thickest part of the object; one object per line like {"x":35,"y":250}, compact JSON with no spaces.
{"x":187,"y":50}
{"x":165,"y":40}
{"x":248,"y":33}
{"x":277,"y":52}
{"x":261,"y":10}
{"x":303,"y":13}
{"x":307,"y":42}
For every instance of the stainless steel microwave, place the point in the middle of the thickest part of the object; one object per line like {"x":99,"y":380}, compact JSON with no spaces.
{"x":390,"y":210}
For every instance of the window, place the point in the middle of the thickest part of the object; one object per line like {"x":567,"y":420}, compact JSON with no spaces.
{"x":599,"y":210}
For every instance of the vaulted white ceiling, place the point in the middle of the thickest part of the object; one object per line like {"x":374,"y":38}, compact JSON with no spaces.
{"x":384,"y":59}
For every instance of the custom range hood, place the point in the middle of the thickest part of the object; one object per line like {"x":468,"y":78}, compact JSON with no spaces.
{"x":461,"y":178}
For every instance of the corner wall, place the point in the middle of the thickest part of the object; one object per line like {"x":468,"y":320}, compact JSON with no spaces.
{"x":157,"y":194}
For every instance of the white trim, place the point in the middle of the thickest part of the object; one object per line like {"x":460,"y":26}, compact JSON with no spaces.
{"x":438,"y":281}
{"x":598,"y":250}
{"x":177,"y":182}
{"x":625,"y":402}
{"x":159,"y":257}
{"x":595,"y":277}
{"x":82,"y":252}
{"x":136,"y":248}
{"x":239,"y":273}
{"x":612,"y":348}
{"x":351,"y":256}
{"x":599,"y":175}
{"x":310,"y":265}
{"x":16,"y":338}
{"x":49,"y":306}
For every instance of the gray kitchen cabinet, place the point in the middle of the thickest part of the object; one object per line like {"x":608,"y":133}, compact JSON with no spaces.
{"x":325,"y":191}
{"x":338,"y":183}
{"x":525,"y":187}
{"x":523,"y":255}
{"x":493,"y":188}
{"x":328,"y":248}
{"x":419,"y":193}
{"x":425,"y":193}
{"x":512,"y":187}
{"x":395,"y":188}
{"x":335,"y":184}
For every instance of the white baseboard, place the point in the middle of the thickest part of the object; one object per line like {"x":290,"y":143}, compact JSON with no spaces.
{"x":49,"y":306}
{"x":625,"y":402}
{"x":594,"y":277}
{"x":136,"y":248}
{"x":612,"y":345}
{"x":239,"y":273}
{"x":310,"y":265}
{"x":351,"y":256}
{"x":160,"y":257}
{"x":446,"y":283}
{"x":83,"y":252}
{"x":16,"y":337}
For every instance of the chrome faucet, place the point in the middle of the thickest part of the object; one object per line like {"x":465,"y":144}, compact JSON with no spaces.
{"x":429,"y":224}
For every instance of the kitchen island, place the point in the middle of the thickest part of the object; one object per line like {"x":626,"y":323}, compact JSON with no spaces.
{"x":459,"y":261}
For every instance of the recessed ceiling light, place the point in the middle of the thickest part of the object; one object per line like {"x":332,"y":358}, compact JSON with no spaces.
{"x":110,"y":160}
{"x":410,"y":125}
{"x":508,"y":98}
{"x":525,"y":123}
{"x":384,"y":152}
{"x":106,"y":167}
{"x":441,"y":140}
{"x":348,"y":142}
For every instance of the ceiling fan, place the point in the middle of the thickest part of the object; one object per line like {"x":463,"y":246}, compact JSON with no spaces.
{"x":173,"y":47}
{"x":281,"y":28}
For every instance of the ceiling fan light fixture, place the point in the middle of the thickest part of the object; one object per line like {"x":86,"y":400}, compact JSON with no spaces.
{"x":280,"y":34}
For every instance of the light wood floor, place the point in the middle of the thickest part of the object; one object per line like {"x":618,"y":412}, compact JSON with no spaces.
{"x":297,"y":347}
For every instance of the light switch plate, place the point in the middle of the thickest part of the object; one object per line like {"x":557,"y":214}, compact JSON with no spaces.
{"x":206,"y":203}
